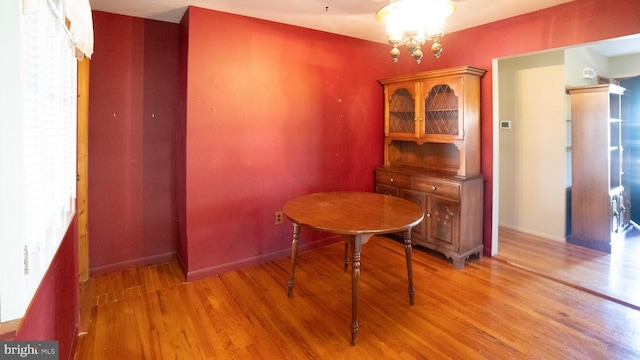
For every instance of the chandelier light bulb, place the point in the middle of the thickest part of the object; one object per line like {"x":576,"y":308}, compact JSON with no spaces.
{"x":436,"y":48}
{"x":413,"y":22}
{"x":417,"y":55}
{"x":395,"y":52}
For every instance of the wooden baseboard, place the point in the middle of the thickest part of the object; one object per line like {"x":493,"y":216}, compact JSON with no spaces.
{"x":149,"y":260}
{"x":8,"y":329}
{"x":252,"y":261}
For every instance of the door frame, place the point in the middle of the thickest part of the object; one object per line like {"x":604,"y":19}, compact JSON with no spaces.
{"x":82,"y":186}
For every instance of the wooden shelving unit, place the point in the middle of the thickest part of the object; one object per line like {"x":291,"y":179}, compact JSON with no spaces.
{"x":600,"y":193}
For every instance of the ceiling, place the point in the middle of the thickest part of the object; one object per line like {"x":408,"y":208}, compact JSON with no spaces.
{"x":354,"y":18}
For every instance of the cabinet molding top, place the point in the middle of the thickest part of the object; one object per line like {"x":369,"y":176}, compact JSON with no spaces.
{"x":453,"y":71}
{"x":612,"y":88}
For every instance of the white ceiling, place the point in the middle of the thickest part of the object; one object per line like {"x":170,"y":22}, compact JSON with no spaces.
{"x":355,"y":18}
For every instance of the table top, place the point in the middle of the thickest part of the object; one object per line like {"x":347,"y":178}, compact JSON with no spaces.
{"x":351,"y":213}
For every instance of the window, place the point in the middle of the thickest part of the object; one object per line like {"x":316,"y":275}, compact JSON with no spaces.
{"x":37,"y":147}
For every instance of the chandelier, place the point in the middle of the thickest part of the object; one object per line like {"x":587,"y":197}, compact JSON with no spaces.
{"x":413,"y":22}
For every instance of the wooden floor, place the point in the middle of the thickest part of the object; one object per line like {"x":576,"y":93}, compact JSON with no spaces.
{"x":492,"y":309}
{"x":615,"y":276}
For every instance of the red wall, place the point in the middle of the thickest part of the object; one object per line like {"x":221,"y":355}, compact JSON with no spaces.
{"x":53,"y":312}
{"x":271,"y":112}
{"x":132,"y":112}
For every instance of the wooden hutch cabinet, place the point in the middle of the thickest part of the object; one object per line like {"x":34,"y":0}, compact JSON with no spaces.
{"x":600,"y":192}
{"x":432,"y":156}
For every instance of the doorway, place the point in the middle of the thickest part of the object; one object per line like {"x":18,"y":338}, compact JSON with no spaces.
{"x":565,"y":268}
{"x":573,"y":60}
{"x":533,"y":149}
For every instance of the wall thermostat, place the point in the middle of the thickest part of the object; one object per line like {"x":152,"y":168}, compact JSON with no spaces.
{"x":505,"y":124}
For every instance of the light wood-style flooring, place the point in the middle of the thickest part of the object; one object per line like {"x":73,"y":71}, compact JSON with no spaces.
{"x":615,"y":276}
{"x":491,"y":309}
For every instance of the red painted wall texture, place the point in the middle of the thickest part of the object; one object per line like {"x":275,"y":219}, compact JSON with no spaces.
{"x":53,"y":312}
{"x":132,"y":112}
{"x":271,"y":112}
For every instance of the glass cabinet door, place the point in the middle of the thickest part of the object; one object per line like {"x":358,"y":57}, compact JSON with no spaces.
{"x":443,"y":112}
{"x":401,"y":110}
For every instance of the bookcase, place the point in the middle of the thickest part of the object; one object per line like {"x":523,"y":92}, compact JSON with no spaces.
{"x":600,"y":192}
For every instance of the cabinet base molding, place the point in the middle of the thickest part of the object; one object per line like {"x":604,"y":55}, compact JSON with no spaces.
{"x":459,"y":259}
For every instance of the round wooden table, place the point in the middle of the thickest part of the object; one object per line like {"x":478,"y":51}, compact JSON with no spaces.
{"x":356,"y":216}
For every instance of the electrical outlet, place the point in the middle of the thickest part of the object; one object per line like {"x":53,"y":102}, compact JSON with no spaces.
{"x":278,"y":218}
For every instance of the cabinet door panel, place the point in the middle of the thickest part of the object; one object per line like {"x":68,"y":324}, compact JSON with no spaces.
{"x":443,"y":219}
{"x":400,"y":109}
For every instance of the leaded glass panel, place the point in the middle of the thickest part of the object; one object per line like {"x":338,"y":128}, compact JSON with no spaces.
{"x":441,"y":111}
{"x":402,"y":112}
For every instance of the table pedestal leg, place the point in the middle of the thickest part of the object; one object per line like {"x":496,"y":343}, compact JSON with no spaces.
{"x":294,"y":254}
{"x":356,"y":248}
{"x":407,"y":251}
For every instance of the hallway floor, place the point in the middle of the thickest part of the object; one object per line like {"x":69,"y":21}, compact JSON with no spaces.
{"x":615,"y":276}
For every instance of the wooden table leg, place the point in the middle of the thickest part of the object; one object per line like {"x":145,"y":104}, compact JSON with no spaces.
{"x":294,"y":255}
{"x":408,"y":251}
{"x":346,"y":251}
{"x":356,"y":248}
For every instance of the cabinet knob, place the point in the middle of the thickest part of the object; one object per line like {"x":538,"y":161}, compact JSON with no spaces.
{"x":434,"y":188}
{"x":428,"y":215}
{"x":391,"y":180}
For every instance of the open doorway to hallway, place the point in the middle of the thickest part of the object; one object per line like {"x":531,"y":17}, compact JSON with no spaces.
{"x":513,"y":197}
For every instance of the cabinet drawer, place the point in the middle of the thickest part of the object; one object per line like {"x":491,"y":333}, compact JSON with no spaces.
{"x":393,"y":179}
{"x":387,"y":190}
{"x":431,"y":186}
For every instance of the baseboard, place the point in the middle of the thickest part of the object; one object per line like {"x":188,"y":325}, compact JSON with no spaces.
{"x":8,"y":329}
{"x":182,"y":264}
{"x":534,"y":233}
{"x":255,"y":260}
{"x":149,"y":260}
